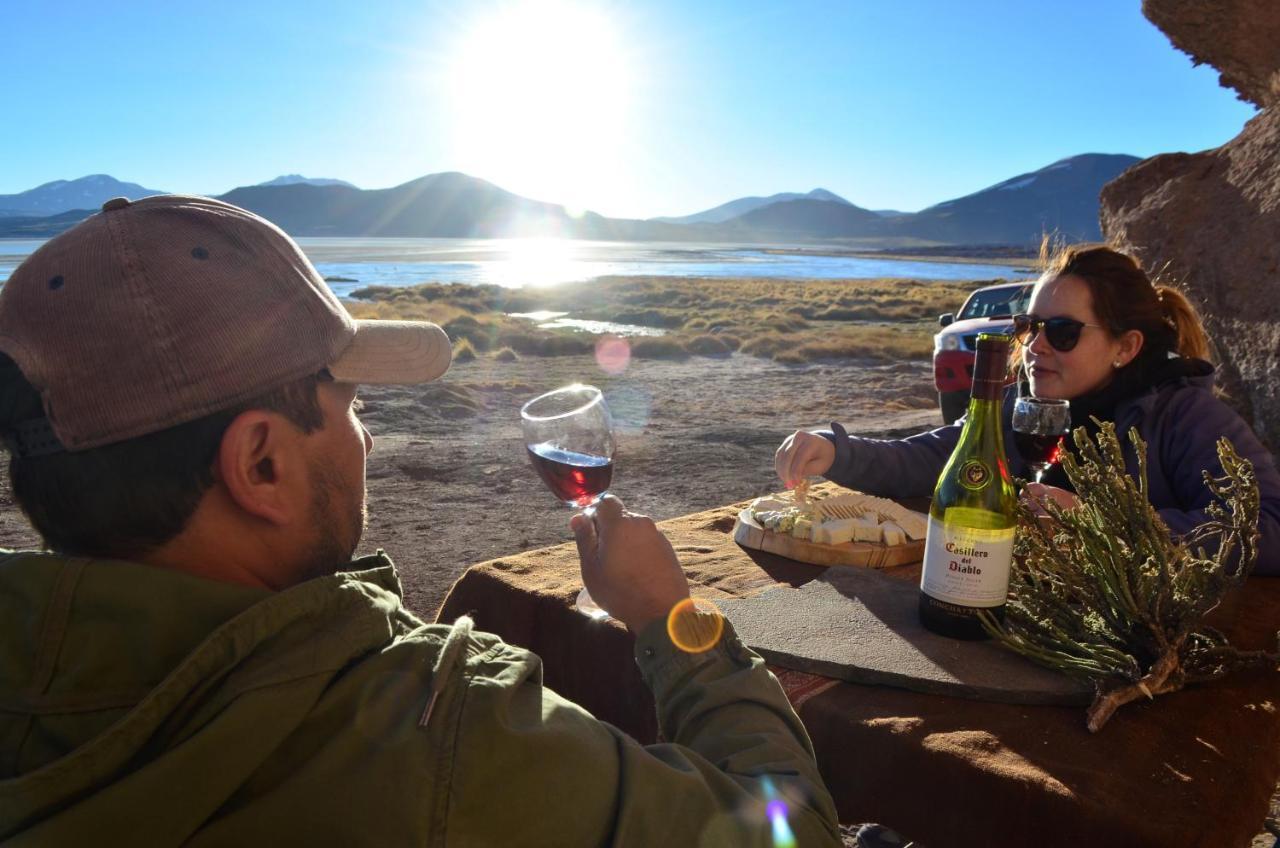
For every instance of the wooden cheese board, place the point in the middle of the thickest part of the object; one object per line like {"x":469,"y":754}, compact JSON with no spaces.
{"x":750,"y":534}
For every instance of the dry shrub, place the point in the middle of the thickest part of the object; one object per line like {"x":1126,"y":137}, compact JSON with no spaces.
{"x":448,"y":400}
{"x":658,"y":347}
{"x":766,"y":344}
{"x":463,"y":351}
{"x":534,"y":342}
{"x":790,"y":357}
{"x":863,"y":343}
{"x":731,"y":342}
{"x":480,"y":332}
{"x":506,"y":355}
{"x":663,"y":319}
{"x":708,"y":345}
{"x":782,"y":322}
{"x":856,"y":313}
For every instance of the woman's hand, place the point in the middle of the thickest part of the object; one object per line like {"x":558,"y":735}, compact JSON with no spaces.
{"x":803,"y":455}
{"x":1036,"y":495}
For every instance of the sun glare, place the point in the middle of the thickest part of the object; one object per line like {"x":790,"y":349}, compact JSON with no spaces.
{"x":535,"y":263}
{"x":541,"y":94}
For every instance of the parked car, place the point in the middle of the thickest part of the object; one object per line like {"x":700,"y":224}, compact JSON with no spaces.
{"x":987,"y":310}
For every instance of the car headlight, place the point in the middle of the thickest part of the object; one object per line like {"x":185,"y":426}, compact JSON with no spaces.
{"x":946,"y":341}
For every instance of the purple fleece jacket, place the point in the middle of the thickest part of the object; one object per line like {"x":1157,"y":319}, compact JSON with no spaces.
{"x":1181,"y":422}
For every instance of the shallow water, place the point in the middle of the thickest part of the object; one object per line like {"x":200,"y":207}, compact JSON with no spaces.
{"x":352,"y":263}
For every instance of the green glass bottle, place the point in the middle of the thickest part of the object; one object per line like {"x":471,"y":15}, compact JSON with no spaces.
{"x":969,"y":546}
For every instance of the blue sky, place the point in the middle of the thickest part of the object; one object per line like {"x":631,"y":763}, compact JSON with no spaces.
{"x":629,"y":109}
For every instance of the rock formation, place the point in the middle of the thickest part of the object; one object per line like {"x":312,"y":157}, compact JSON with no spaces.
{"x":1210,"y":221}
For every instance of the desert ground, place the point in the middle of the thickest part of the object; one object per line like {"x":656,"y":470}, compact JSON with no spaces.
{"x":449,"y":482}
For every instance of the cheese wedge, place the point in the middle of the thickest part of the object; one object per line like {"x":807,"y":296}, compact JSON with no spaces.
{"x":769,"y":504}
{"x":866,"y":529}
{"x":892,"y":534}
{"x":835,"y":532}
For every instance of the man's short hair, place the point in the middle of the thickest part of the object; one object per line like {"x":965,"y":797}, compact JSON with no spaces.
{"x":125,"y":499}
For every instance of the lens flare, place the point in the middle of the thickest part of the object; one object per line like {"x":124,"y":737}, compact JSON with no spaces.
{"x":776,"y":811}
{"x":695,"y":625}
{"x":782,"y":835}
{"x":613,"y":354}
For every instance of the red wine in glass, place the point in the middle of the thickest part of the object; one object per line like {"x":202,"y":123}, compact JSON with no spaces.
{"x":578,"y":479}
{"x":1039,"y":425}
{"x":1038,"y":451}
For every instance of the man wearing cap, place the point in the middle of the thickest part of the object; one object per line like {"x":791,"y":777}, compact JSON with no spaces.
{"x":197,"y":659}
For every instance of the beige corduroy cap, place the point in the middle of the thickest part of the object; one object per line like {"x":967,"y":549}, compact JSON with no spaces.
{"x":160,"y":311}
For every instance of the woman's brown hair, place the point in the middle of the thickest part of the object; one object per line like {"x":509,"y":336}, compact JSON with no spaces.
{"x":1125,"y":298}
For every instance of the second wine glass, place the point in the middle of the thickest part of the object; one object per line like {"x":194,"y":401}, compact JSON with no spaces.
{"x":1039,"y":425}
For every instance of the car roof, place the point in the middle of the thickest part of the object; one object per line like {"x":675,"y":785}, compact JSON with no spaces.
{"x":1015,"y":284}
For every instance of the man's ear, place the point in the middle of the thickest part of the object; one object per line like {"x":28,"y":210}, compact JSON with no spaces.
{"x":257,"y":461}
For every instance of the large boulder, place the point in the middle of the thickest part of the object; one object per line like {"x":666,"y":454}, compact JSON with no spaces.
{"x":1241,"y":38}
{"x":1210,"y":222}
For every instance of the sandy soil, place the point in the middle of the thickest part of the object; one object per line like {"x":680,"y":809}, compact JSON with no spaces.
{"x":450,"y":484}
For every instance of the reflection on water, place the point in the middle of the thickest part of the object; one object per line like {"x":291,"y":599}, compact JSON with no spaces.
{"x":557,"y":321}
{"x":13,"y":251}
{"x":352,"y":263}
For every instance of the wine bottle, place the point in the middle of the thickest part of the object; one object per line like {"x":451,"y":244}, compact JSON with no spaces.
{"x":969,"y":545}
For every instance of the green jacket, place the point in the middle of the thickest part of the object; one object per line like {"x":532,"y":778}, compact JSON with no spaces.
{"x":140,"y":706}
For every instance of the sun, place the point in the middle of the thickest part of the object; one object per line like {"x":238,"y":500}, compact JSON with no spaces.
{"x":540,"y":99}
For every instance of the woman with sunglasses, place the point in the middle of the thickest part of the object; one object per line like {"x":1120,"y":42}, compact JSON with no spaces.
{"x":1101,"y":335}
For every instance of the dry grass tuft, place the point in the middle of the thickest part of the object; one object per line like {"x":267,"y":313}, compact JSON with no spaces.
{"x":709,"y":346}
{"x":658,"y":347}
{"x":463,"y":351}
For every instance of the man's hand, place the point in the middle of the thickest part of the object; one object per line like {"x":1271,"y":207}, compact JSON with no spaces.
{"x":803,"y":455}
{"x":628,"y":566}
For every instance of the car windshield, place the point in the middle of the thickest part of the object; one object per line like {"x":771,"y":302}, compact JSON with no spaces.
{"x":996,"y":303}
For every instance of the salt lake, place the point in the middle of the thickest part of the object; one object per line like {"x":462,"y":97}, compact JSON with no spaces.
{"x":352,"y":263}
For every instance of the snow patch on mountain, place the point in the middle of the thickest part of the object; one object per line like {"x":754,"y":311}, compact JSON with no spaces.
{"x":1022,"y":183}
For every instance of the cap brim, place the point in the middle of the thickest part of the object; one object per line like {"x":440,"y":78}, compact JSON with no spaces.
{"x":393,"y":353}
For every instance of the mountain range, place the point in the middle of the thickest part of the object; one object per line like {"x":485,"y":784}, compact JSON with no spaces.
{"x":743,"y":205}
{"x":1061,"y":197}
{"x":64,"y":195}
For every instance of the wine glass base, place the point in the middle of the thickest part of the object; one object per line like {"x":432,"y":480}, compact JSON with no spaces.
{"x":585,"y":605}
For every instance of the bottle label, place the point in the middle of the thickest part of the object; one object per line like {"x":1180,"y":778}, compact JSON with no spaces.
{"x":967,"y":566}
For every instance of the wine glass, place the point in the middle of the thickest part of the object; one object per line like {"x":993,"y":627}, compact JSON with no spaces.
{"x":569,"y":436}
{"x":1039,"y":425}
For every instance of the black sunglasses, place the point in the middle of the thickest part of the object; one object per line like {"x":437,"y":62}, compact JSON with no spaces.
{"x":1061,"y":333}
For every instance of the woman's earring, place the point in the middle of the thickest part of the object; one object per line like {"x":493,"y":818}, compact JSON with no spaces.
{"x":1115,"y":365}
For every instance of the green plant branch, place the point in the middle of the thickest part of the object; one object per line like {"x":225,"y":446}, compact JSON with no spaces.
{"x":1103,"y":591}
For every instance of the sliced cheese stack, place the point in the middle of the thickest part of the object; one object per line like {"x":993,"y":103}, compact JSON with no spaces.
{"x":850,"y":517}
{"x":909,"y":523}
